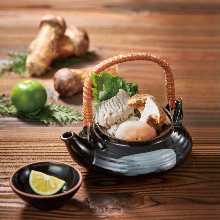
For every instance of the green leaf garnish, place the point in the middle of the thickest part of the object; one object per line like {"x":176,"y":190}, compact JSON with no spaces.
{"x":17,"y":60}
{"x":105,"y":86}
{"x":16,"y":63}
{"x":50,"y":114}
{"x":6,"y":108}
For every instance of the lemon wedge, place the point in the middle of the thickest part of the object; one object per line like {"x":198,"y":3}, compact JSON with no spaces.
{"x":44,"y":184}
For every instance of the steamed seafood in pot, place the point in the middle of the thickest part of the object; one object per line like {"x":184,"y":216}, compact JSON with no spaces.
{"x":130,"y":117}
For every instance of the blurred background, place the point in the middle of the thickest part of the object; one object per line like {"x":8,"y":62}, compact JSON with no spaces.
{"x":186,"y":33}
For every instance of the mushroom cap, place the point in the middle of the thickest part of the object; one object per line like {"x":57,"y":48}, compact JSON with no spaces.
{"x":67,"y":82}
{"x":56,"y":21}
{"x":138,"y":101}
{"x":80,"y":39}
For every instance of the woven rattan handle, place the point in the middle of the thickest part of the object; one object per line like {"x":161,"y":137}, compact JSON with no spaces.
{"x":87,"y":89}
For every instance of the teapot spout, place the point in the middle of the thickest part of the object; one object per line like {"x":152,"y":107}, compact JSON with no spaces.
{"x":79,"y":148}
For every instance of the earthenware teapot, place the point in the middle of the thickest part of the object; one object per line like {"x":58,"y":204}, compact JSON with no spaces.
{"x":93,"y":147}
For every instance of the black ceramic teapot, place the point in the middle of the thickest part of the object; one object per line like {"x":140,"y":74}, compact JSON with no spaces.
{"x":94,"y":147}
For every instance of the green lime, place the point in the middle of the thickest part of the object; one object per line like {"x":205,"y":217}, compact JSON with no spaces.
{"x":29,"y":96}
{"x":44,"y":184}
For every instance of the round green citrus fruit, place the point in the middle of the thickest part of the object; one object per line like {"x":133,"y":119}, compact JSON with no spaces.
{"x":29,"y":96}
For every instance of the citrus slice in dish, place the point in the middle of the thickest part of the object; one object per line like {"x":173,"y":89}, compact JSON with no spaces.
{"x":44,"y":184}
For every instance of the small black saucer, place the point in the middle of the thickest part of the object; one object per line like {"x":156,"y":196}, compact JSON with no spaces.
{"x":19,"y":183}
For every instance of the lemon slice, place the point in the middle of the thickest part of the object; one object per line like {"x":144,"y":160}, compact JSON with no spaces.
{"x":44,"y":184}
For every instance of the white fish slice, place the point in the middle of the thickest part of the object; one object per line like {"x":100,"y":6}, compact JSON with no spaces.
{"x":113,"y":110}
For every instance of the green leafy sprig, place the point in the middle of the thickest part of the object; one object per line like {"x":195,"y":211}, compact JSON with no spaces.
{"x":17,"y":60}
{"x":15,"y":63}
{"x":106,"y":85}
{"x":6,"y":108}
{"x":50,"y":114}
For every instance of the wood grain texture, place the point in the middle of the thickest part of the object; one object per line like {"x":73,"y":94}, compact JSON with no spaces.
{"x":187,"y":33}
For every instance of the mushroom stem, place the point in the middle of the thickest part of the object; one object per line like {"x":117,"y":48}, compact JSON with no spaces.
{"x":54,"y":41}
{"x":43,"y":50}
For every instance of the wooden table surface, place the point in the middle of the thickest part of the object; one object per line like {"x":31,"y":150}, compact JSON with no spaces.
{"x":187,"y":33}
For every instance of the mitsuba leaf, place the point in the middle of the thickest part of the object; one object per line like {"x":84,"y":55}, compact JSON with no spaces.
{"x":105,"y":86}
{"x":131,"y":88}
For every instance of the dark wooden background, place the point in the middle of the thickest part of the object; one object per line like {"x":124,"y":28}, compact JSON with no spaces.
{"x":187,"y":33}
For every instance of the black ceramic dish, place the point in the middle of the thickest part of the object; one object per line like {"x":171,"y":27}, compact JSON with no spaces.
{"x":93,"y":147}
{"x":19,"y":183}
